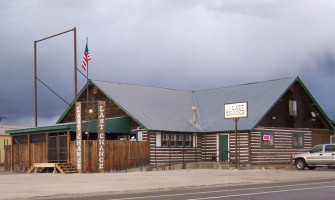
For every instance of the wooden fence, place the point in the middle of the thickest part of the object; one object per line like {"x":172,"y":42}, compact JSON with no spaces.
{"x":119,"y":155}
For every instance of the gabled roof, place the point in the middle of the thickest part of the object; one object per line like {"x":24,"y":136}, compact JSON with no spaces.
{"x":260,"y":96}
{"x":154,"y":108}
{"x":164,"y":109}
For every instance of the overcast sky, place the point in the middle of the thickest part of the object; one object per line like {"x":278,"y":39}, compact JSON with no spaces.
{"x":182,"y":44}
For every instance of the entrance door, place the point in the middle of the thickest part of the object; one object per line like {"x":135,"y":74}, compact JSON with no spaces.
{"x":224,"y":148}
{"x":58,"y":148}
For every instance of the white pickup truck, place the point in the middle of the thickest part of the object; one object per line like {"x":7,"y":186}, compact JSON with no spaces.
{"x":322,"y":155}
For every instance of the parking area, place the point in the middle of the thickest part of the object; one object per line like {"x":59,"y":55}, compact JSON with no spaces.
{"x":15,"y":186}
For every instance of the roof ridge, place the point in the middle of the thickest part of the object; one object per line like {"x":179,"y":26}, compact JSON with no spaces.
{"x":142,"y":85}
{"x":251,"y":83}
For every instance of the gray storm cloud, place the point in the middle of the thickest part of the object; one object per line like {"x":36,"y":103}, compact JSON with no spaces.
{"x":179,"y":44}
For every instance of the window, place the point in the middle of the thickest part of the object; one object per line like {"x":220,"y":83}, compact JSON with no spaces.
{"x":332,"y":139}
{"x":293,"y":109}
{"x":297,"y":140}
{"x":180,"y":138}
{"x":173,"y":140}
{"x":188,"y":140}
{"x":267,"y":139}
{"x":165,"y":140}
{"x":329,"y":148}
{"x":317,"y":148}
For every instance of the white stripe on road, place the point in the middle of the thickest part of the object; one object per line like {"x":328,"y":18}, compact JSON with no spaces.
{"x":257,"y":193}
{"x":226,"y":190}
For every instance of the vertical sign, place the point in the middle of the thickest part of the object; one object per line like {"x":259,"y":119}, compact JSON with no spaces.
{"x":101,"y":135}
{"x":78,"y":136}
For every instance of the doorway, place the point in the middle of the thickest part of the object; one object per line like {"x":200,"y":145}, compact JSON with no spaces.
{"x":58,"y":148}
{"x":224,"y":148}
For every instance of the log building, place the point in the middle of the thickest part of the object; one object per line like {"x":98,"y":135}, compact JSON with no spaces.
{"x":174,"y":126}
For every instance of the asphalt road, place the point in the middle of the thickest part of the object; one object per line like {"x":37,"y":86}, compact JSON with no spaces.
{"x":318,"y":189}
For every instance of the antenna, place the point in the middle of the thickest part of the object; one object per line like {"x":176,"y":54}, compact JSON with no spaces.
{"x":2,"y":118}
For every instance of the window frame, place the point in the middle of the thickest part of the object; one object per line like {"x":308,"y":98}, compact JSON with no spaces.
{"x":303,"y":140}
{"x":263,"y":145}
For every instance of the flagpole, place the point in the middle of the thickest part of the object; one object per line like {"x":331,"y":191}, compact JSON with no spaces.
{"x":87,"y":93}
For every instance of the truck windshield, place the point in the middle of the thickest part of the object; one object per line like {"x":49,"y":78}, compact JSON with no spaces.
{"x":317,"y":149}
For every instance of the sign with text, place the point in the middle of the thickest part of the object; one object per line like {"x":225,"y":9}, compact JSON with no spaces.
{"x":266,"y":137}
{"x":236,"y":110}
{"x":101,"y":135}
{"x":78,"y":136}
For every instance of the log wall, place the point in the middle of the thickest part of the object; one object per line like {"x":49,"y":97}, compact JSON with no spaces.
{"x":282,"y":150}
{"x":243,"y":148}
{"x":208,"y":146}
{"x":172,"y":155}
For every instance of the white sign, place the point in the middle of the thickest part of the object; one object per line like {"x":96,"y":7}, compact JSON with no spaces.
{"x":101,"y":135}
{"x":78,"y":136}
{"x":236,"y":110}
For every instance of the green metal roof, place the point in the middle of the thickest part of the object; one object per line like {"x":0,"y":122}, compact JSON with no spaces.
{"x":113,"y":125}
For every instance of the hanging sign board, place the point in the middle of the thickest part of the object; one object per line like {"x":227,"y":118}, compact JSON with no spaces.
{"x":78,"y":137}
{"x":101,"y":135}
{"x":236,"y":110}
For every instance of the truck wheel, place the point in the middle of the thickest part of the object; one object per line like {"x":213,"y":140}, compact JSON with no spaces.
{"x":311,"y":167}
{"x":300,"y":164}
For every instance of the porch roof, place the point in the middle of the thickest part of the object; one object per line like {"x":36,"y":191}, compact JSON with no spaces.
{"x":112,"y":125}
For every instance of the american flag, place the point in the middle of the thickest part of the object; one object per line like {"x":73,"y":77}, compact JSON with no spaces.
{"x":86,"y":58}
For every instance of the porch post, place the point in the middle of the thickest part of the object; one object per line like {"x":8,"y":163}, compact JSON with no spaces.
{"x":12,"y":153}
{"x":28,"y":142}
{"x":68,"y":146}
{"x":47,"y":147}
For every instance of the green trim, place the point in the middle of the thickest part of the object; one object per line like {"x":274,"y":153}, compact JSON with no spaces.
{"x":303,"y":140}
{"x":114,"y":125}
{"x":317,"y":105}
{"x":38,"y":130}
{"x":314,"y":103}
{"x":267,"y":133}
{"x":119,"y":105}
{"x":91,"y":83}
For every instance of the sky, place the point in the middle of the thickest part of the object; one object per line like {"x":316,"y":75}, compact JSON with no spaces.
{"x":182,"y":44}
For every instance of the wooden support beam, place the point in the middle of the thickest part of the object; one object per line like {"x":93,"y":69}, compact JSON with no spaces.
{"x":68,"y":146}
{"x":12,"y":153}
{"x":47,"y":147}
{"x":28,"y":146}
